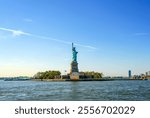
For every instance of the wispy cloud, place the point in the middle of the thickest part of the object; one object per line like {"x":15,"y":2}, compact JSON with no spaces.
{"x":14,"y":32}
{"x":27,"y":20}
{"x":63,"y":41}
{"x":140,"y":34}
{"x":19,"y":33}
{"x":86,"y":46}
{"x":53,"y":39}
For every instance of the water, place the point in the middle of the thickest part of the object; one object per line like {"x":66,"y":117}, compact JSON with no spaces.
{"x":92,"y":90}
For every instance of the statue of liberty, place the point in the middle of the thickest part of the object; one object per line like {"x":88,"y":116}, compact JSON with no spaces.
{"x":74,"y":71}
{"x":74,"y":54}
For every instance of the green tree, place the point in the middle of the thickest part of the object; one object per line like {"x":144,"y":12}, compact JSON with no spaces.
{"x":92,"y":74}
{"x":47,"y":75}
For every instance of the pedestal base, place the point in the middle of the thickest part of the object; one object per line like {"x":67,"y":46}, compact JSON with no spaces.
{"x":74,"y":67}
{"x":74,"y":76}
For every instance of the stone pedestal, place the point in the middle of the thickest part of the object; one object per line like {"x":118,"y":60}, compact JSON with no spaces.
{"x":74,"y":76}
{"x":74,"y":67}
{"x":74,"y":72}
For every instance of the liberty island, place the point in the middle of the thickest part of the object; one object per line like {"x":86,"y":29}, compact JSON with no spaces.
{"x":73,"y":75}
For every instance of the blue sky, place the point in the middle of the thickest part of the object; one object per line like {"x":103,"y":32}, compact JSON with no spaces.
{"x":111,"y":36}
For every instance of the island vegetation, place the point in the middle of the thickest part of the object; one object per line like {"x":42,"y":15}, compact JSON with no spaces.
{"x":52,"y":75}
{"x":91,"y":74}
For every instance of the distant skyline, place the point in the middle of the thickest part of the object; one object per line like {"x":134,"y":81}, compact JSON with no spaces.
{"x":111,"y":36}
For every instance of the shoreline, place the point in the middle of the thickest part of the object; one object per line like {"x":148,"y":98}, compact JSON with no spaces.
{"x":68,"y":80}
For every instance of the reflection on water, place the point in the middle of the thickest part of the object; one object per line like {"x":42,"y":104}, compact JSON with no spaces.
{"x":92,"y":90}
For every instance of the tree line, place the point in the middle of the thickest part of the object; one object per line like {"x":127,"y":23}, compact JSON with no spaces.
{"x":92,"y":74}
{"x":47,"y":75}
{"x":54,"y":74}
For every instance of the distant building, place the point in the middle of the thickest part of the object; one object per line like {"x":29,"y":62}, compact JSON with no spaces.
{"x":147,"y":73}
{"x":129,"y":73}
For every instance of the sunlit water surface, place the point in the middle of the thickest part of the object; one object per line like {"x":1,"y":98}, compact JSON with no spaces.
{"x":90,"y":90}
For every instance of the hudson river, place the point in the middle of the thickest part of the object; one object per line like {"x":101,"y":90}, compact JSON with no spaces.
{"x":90,"y":90}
